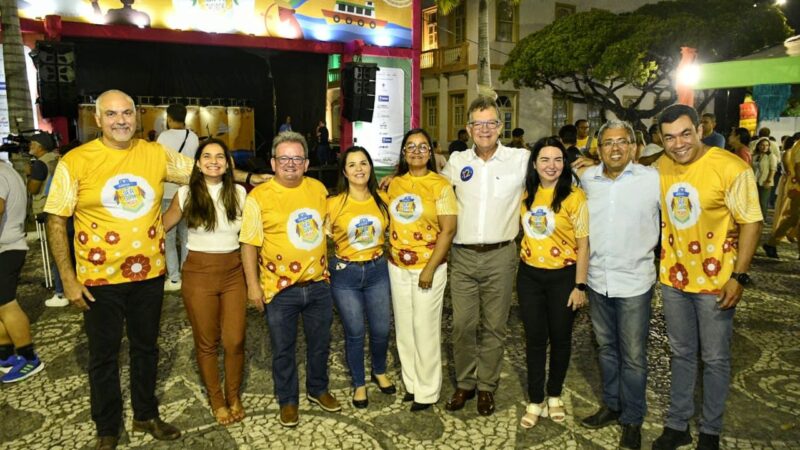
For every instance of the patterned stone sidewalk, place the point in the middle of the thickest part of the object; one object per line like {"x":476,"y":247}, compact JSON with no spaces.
{"x":51,"y":410}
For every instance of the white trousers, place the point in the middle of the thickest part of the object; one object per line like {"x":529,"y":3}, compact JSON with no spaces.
{"x":418,"y":323}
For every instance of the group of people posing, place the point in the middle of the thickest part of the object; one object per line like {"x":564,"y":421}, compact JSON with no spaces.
{"x":589,"y":236}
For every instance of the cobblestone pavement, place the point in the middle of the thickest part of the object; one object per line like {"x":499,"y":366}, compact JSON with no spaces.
{"x":51,"y":410}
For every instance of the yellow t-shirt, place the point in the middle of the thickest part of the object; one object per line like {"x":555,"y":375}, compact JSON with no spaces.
{"x":115,"y":196}
{"x":702,"y":203}
{"x":581,"y":144}
{"x":357,"y":227}
{"x":415,"y":204}
{"x":550,"y":239}
{"x":287,"y":223}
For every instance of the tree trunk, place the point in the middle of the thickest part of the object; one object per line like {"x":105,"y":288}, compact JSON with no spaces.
{"x":484,"y":65}
{"x":19,"y":98}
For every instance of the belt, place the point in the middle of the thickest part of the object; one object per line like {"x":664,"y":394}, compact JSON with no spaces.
{"x":481,"y":248}
{"x":303,"y":284}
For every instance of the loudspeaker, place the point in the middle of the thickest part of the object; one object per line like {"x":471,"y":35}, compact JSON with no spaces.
{"x":55,"y":65}
{"x":358,"y":90}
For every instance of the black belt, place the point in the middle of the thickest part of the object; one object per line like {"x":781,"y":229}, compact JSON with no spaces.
{"x":482,"y":248}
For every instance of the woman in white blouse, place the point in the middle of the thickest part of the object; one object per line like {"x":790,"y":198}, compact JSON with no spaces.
{"x":214,"y":290}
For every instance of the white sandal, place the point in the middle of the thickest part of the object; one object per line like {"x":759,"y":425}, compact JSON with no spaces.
{"x":532,"y":414}
{"x":556,"y":407}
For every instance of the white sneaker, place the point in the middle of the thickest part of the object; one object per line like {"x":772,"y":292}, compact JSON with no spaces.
{"x":171,"y":286}
{"x":56,"y":301}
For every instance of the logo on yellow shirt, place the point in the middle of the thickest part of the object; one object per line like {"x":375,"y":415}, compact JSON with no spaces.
{"x":362,"y":231}
{"x":539,"y":222}
{"x":683,"y":205}
{"x":304,"y":228}
{"x":406,"y":208}
{"x":127,"y":196}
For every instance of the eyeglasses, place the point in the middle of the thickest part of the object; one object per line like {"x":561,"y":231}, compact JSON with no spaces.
{"x":284,"y":160}
{"x":414,"y":148}
{"x":617,"y":143}
{"x":490,"y":124}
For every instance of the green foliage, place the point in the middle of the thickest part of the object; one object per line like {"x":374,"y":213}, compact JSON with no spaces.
{"x":589,"y":56}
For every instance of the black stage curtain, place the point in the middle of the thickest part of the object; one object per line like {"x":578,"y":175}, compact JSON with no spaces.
{"x":292,"y":83}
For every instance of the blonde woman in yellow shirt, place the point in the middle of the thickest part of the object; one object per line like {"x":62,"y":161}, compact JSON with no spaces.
{"x":551,"y":281}
{"x":358,"y":217}
{"x":423,"y":208}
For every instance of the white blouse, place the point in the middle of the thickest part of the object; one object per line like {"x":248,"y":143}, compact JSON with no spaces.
{"x":225,"y":238}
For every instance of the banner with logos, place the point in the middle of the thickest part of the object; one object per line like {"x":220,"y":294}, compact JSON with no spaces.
{"x":382,"y":136}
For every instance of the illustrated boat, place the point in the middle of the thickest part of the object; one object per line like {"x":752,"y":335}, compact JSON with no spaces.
{"x":351,"y":13}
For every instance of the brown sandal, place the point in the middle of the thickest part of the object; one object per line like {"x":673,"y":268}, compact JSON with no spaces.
{"x":224,"y":416}
{"x":237,"y":410}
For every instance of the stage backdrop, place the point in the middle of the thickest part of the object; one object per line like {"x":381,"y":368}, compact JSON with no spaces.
{"x":385,"y":23}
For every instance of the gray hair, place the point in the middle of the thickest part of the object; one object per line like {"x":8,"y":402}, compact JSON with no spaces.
{"x":289,"y":136}
{"x":615,"y":124}
{"x":111,"y":91}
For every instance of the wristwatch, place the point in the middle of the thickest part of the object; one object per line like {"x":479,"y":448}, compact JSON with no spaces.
{"x":581,"y":287}
{"x":741,"y":278}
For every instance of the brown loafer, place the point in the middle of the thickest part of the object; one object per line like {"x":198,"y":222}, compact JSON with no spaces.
{"x":157,"y":428}
{"x":459,"y":399}
{"x":485,"y":403}
{"x":289,"y":416}
{"x":326,"y":401}
{"x":106,"y":443}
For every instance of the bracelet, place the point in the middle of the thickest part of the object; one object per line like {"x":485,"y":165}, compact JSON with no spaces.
{"x":247,"y":180}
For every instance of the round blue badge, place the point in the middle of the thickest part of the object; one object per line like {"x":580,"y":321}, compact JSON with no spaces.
{"x":466,"y":173}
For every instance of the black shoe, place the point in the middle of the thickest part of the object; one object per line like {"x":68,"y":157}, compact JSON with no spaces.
{"x":409,"y":397}
{"x":603,"y":417}
{"x":419,"y":406}
{"x":631,"y":436}
{"x":770,"y":250}
{"x":671,"y":439}
{"x":157,"y":428}
{"x":360,"y":404}
{"x":106,"y":443}
{"x":389,"y":390}
{"x":708,"y":442}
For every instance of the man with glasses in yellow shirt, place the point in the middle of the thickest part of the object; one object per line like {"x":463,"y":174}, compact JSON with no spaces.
{"x":284,"y":258}
{"x":489,"y":180}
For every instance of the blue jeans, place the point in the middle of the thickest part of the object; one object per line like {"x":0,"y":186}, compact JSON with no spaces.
{"x":313,"y":302}
{"x":170,"y":243}
{"x":621,"y":326}
{"x":694,"y":321}
{"x":360,"y":288}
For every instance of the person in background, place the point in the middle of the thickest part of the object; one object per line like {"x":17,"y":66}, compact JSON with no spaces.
{"x":357,"y":218}
{"x":654,"y":149}
{"x":423,"y":212}
{"x":440,"y":157}
{"x":764,"y":166}
{"x":214,"y":294}
{"x":460,"y":144}
{"x":568,"y":134}
{"x":323,"y":145}
{"x":517,"y":138}
{"x":286,"y":126}
{"x":586,"y":143}
{"x":185,"y":142}
{"x":710,"y":137}
{"x":786,"y":216}
{"x":739,"y":140}
{"x":552,"y":275}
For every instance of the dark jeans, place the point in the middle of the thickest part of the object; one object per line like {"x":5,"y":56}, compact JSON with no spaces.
{"x":359,"y":290}
{"x":314,"y":303}
{"x":621,"y":325}
{"x":138,"y":304}
{"x":543,"y":296}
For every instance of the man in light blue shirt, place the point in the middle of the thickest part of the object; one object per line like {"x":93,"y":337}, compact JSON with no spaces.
{"x":624,"y":228}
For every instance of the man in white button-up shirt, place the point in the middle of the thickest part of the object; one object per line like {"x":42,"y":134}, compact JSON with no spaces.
{"x":624,"y":228}
{"x":489,"y":180}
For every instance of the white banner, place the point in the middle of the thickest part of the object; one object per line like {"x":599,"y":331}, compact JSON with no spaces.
{"x":5,"y":127}
{"x":382,"y":136}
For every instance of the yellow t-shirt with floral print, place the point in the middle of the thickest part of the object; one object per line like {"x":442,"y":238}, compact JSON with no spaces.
{"x":357,"y":227}
{"x":550,"y":239}
{"x":415,"y":204}
{"x":287,"y":223}
{"x":115,"y":196}
{"x":701,"y":205}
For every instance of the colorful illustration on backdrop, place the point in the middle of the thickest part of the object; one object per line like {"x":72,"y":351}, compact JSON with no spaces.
{"x":384,"y":23}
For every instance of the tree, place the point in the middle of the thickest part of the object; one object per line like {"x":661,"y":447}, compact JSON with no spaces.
{"x":19,"y":98}
{"x":484,"y":65}
{"x":590,"y":57}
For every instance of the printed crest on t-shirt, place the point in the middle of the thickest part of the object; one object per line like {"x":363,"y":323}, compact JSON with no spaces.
{"x":539,"y":222}
{"x":362,"y":231}
{"x":304,"y":228}
{"x":406,"y":208}
{"x":127,"y":196}
{"x":683,"y":205}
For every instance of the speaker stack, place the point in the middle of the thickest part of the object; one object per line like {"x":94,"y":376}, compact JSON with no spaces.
{"x":58,"y":92}
{"x":358,"y":90}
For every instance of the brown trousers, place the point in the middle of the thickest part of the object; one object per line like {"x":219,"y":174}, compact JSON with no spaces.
{"x":215,"y":296}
